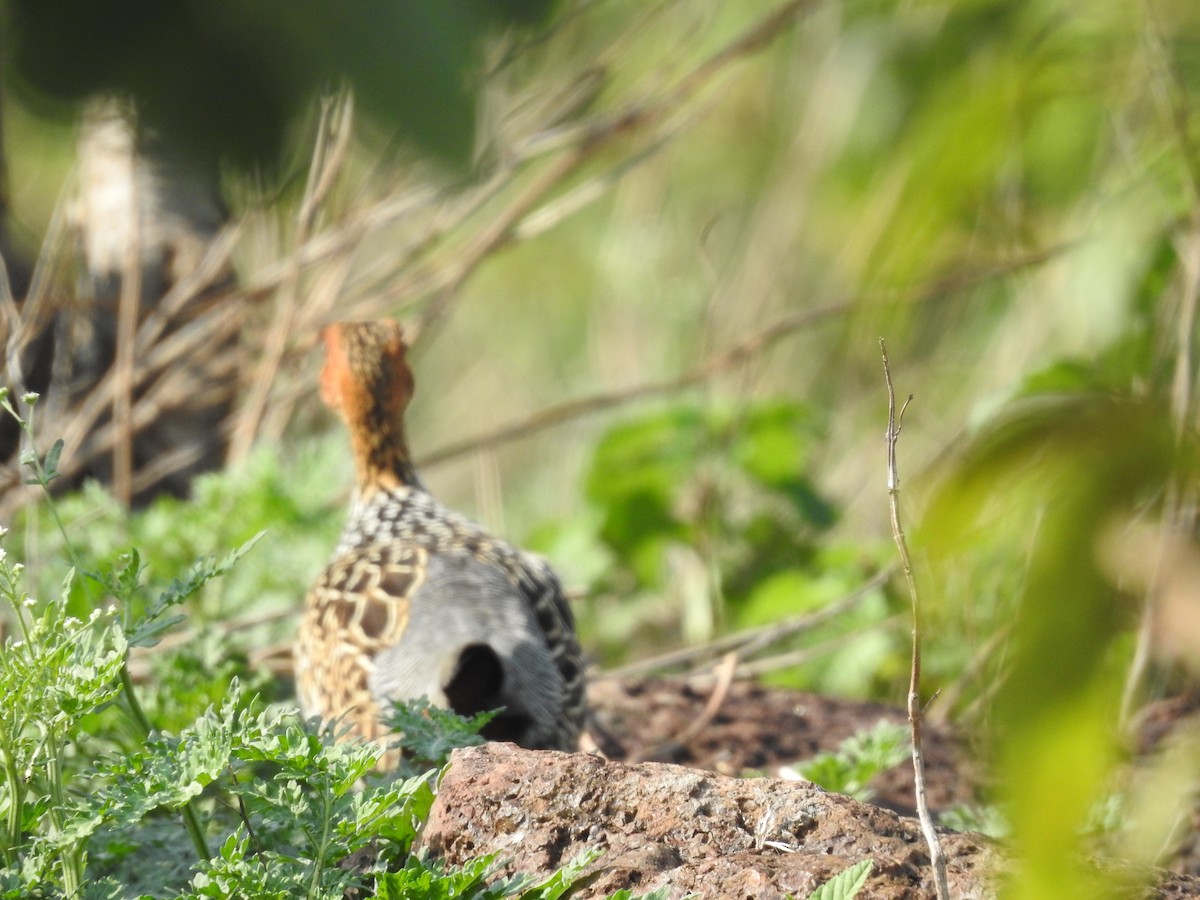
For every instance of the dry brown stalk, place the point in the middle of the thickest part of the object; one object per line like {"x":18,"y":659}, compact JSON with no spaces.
{"x":752,"y":640}
{"x":744,"y":350}
{"x":80,"y":426}
{"x":446,"y":235}
{"x":895,"y":423}
{"x":333,"y":141}
{"x":792,"y":658}
{"x":438,"y":279}
{"x":447,"y":279}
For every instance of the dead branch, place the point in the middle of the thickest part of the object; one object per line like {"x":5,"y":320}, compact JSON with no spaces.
{"x":590,"y":141}
{"x":792,"y":658}
{"x":745,"y":350}
{"x":333,"y":142}
{"x":448,"y":233}
{"x":752,"y":640}
{"x":895,"y":422}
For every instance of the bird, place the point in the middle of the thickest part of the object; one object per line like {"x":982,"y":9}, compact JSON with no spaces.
{"x":417,"y":600}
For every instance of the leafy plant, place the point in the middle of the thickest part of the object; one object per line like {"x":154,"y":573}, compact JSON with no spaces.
{"x":428,"y":733}
{"x":702,"y":518}
{"x":859,"y":758}
{"x":844,"y":885}
{"x":989,"y":820}
{"x":98,"y":801}
{"x":296,"y":498}
{"x":729,"y":484}
{"x":288,"y":805}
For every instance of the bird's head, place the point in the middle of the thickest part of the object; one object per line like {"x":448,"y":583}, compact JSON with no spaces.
{"x":366,"y":376}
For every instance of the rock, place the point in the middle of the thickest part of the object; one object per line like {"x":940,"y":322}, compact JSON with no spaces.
{"x":665,"y":825}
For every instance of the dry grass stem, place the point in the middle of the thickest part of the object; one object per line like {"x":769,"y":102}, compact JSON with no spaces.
{"x":752,"y":640}
{"x":747,"y":350}
{"x":329,"y":155}
{"x":915,"y":713}
{"x":437,"y":237}
{"x":792,"y":658}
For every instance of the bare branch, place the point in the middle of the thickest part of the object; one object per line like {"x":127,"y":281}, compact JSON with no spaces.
{"x":329,"y":156}
{"x":752,"y":640}
{"x":741,"y":352}
{"x":723,"y":674}
{"x":915,"y":713}
{"x":746,"y":350}
{"x":559,"y":157}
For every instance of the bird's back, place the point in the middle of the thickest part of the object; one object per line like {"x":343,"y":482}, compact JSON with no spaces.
{"x":419,"y":601}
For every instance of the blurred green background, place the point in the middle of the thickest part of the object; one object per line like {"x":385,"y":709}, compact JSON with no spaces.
{"x":1008,"y":192}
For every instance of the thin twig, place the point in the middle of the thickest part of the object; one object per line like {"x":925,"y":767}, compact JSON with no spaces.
{"x":740,"y":352}
{"x":895,"y":423}
{"x":329,"y":156}
{"x":86,"y":436}
{"x":972,"y":674}
{"x":453,"y":230}
{"x":633,"y":119}
{"x":243,"y":813}
{"x":790,"y":659}
{"x":753,"y":639}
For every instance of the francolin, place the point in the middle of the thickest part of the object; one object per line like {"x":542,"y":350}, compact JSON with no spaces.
{"x":419,"y":601}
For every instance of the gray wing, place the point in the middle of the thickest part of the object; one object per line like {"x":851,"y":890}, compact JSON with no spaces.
{"x":541,"y":587}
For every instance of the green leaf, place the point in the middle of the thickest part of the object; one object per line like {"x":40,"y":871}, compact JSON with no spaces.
{"x":858,"y":759}
{"x":989,"y":820}
{"x":558,"y":884}
{"x":434,"y":880}
{"x":428,"y":733}
{"x":51,"y":464}
{"x":782,"y":594}
{"x":147,"y":631}
{"x":772,"y":442}
{"x":845,"y":885}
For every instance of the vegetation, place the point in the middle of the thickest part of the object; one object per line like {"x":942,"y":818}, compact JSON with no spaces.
{"x":845,"y":885}
{"x":849,"y":769}
{"x":709,"y":214}
{"x":245,"y":800}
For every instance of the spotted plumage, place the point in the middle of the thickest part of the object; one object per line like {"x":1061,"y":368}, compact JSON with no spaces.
{"x":417,"y":600}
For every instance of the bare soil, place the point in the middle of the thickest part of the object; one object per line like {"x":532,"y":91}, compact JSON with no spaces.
{"x":760,"y":729}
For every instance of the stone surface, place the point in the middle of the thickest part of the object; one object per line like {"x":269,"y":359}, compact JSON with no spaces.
{"x":694,"y":832}
{"x":665,"y":825}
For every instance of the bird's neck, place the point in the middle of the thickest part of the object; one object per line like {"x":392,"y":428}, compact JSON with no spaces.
{"x":381,"y":458}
